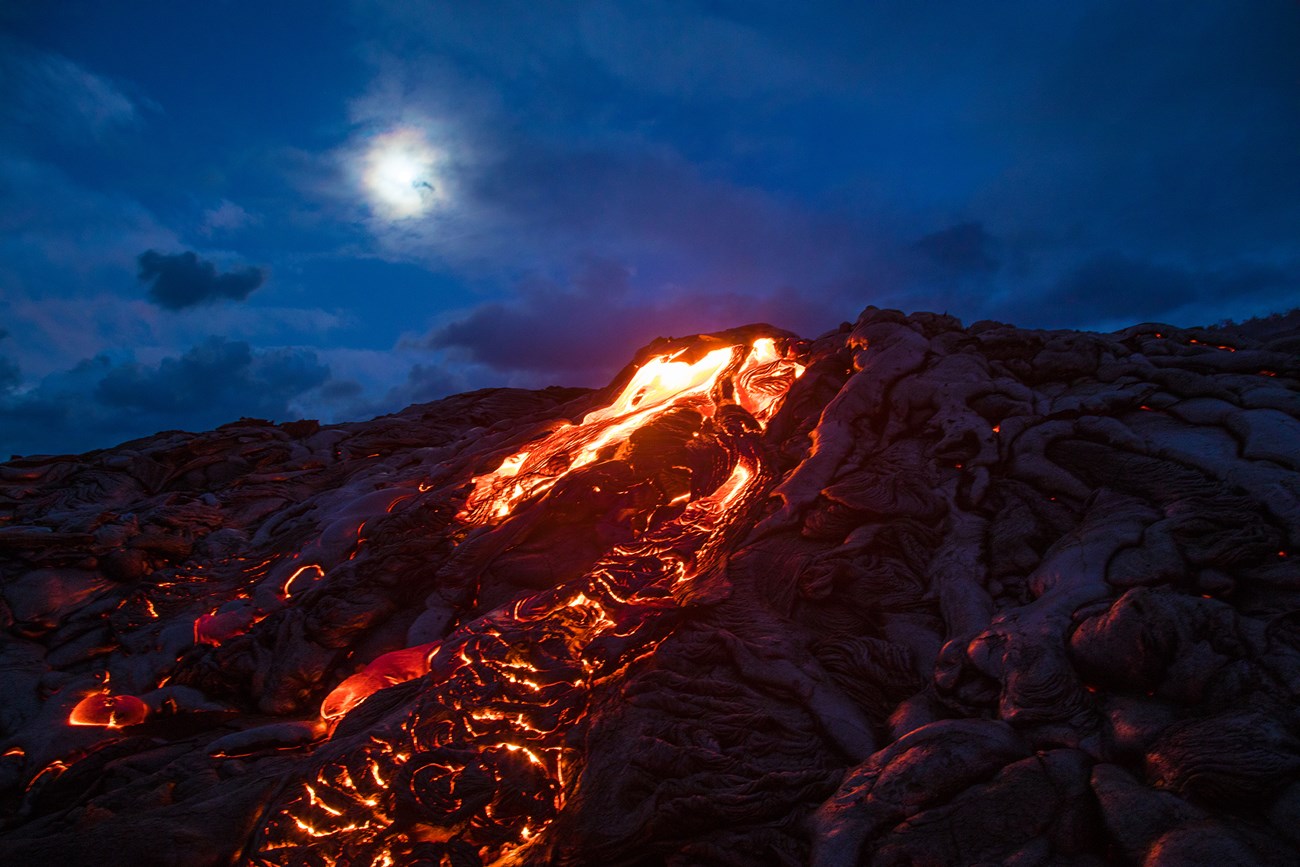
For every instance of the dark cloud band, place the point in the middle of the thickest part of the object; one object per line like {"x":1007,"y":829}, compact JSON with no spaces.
{"x":182,"y":280}
{"x":99,"y":401}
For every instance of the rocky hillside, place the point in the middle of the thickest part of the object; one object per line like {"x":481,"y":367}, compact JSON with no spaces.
{"x":909,"y":593}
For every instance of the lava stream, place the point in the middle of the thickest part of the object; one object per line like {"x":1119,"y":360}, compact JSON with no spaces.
{"x":478,"y":770}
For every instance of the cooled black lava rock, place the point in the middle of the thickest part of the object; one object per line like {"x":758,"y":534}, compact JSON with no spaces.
{"x":972,"y":595}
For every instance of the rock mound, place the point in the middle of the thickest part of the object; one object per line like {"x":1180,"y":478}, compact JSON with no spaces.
{"x":910,"y":592}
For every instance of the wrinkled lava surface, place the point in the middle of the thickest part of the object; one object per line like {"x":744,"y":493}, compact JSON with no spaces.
{"x":907,"y":593}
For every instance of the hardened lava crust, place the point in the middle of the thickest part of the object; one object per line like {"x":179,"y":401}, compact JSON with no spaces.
{"x":907,"y":593}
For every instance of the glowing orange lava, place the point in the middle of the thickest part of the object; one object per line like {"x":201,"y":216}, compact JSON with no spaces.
{"x":761,"y":377}
{"x":109,"y":711}
{"x":502,"y":690}
{"x":398,"y":666}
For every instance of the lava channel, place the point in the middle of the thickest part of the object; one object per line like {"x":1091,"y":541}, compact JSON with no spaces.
{"x":474,"y":766}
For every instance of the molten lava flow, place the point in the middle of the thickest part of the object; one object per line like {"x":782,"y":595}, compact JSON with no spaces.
{"x":226,"y":621}
{"x":109,"y":711}
{"x":479,"y":769}
{"x":398,"y":666}
{"x":761,"y":377}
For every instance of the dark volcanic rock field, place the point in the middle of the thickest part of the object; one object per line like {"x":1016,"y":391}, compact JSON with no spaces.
{"x":909,"y":593}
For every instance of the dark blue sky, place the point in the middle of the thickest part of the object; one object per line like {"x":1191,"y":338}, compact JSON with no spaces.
{"x":211,"y":210}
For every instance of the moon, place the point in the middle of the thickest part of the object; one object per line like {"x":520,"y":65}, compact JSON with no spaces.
{"x":400,"y":174}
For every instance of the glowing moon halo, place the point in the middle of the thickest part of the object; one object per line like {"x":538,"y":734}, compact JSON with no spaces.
{"x":399,"y":173}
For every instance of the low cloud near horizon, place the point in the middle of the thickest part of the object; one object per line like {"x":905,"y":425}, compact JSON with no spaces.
{"x":99,"y":401}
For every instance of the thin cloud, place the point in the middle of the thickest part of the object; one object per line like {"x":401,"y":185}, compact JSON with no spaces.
{"x":963,"y":248}
{"x":226,"y":216}
{"x":48,"y":92}
{"x":10,"y":375}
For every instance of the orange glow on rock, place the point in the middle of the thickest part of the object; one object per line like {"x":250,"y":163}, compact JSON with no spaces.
{"x":109,"y":711}
{"x":222,"y":624}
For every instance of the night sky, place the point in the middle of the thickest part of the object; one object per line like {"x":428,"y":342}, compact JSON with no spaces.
{"x":332,"y":210}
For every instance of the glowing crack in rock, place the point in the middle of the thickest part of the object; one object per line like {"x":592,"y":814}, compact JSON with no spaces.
{"x":478,"y":771}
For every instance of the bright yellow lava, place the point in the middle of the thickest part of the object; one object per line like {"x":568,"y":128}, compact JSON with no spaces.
{"x":661,"y":384}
